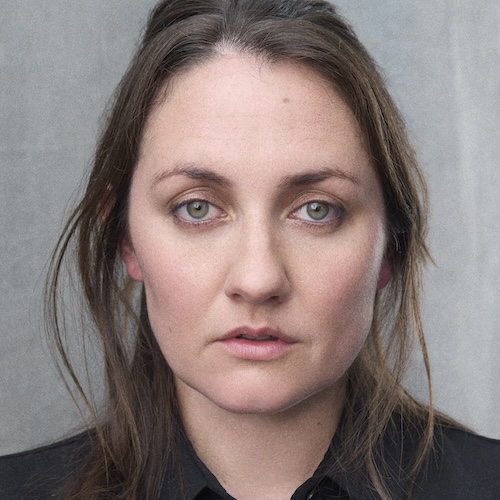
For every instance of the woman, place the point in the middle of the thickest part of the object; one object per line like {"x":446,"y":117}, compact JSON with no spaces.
{"x":250,"y":246}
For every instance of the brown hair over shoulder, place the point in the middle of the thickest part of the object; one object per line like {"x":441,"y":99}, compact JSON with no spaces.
{"x":137,"y":431}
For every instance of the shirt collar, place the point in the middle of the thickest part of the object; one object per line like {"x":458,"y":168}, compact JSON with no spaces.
{"x":184,"y":477}
{"x":398,"y":446}
{"x":351,"y":480}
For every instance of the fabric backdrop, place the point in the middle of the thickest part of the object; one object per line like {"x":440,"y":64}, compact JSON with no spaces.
{"x":59,"y":62}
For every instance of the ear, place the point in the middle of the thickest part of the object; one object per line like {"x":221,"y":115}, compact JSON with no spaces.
{"x":130,"y":260}
{"x":386,"y":272}
{"x":106,"y":202}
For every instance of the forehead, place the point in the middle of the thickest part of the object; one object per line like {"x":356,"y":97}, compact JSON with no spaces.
{"x":239,"y":110}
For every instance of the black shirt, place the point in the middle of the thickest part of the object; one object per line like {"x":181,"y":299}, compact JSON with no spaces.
{"x":463,"y":467}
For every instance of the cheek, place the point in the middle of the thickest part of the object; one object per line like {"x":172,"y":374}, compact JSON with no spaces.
{"x":350,"y":279}
{"x":171,"y":298}
{"x":171,"y":291}
{"x":347,"y":323}
{"x":344,"y":296}
{"x":179,"y":291}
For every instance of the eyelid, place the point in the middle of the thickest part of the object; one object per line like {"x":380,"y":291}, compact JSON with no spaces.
{"x":339,"y":212}
{"x":177,"y":206}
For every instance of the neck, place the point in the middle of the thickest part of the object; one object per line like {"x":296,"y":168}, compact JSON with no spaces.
{"x":259,"y":455}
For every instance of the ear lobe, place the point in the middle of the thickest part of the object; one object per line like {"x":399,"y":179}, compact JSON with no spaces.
{"x":130,"y":260}
{"x":385,"y":274}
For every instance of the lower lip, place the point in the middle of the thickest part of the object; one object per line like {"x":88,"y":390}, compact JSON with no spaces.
{"x":257,"y":350}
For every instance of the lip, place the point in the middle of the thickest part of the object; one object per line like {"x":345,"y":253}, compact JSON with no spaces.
{"x":257,"y":344}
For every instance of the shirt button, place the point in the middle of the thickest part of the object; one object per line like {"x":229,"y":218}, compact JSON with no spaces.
{"x":311,"y":496}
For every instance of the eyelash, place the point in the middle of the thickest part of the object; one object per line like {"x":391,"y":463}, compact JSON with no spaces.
{"x":336,"y":213}
{"x":187,"y":221}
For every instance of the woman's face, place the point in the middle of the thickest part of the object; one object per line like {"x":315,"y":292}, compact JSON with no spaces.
{"x":257,"y":226}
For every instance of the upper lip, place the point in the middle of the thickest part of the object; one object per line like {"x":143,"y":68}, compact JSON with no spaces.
{"x":262,"y":333}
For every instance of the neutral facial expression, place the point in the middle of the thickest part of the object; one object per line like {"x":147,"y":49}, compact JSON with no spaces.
{"x":257,"y":226}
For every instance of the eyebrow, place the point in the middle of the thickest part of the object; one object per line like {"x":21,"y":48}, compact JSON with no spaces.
{"x":290,"y":181}
{"x":315,"y":176}
{"x":193,"y":172}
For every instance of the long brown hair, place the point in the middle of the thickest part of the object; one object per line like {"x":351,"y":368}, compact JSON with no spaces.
{"x":136,"y":432}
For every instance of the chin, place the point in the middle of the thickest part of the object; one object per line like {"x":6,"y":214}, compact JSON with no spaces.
{"x":248,"y":397}
{"x":255,"y":407}
{"x":270,"y":401}
{"x":251,"y":393}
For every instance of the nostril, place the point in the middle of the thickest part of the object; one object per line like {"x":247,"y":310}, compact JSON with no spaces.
{"x":257,"y":275}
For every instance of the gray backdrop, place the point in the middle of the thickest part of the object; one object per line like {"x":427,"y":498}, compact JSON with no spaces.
{"x":59,"y":62}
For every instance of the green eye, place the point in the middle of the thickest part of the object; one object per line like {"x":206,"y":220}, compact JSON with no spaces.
{"x":197,"y":213}
{"x":197,"y":209}
{"x":317,"y":210}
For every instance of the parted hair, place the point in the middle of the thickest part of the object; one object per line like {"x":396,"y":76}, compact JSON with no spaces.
{"x":135,"y":433}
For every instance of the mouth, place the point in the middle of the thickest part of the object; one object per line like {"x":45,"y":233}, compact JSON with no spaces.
{"x":258,"y":335}
{"x":257,"y":344}
{"x":256,"y":339}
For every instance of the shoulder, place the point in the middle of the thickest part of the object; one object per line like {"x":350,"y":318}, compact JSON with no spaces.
{"x":38,"y":473}
{"x":463,"y":466}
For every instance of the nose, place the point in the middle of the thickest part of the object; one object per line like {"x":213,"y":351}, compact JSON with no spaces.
{"x":257,"y":274}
